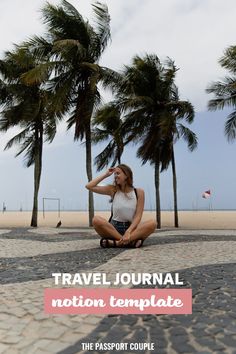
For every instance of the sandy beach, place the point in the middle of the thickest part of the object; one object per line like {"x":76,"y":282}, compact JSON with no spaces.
{"x":187,"y":219}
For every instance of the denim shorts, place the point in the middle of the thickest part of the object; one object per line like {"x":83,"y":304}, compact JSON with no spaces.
{"x":120,"y":226}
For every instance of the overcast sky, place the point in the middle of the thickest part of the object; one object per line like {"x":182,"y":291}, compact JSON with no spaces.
{"x":195,"y":34}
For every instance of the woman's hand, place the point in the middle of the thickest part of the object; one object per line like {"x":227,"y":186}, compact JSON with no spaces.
{"x":94,"y":187}
{"x":110,"y":171}
{"x":126,"y":238}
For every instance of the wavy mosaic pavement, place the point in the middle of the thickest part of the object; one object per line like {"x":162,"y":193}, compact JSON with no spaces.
{"x":206,"y":261}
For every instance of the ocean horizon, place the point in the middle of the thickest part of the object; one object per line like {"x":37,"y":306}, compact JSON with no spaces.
{"x":107,"y":210}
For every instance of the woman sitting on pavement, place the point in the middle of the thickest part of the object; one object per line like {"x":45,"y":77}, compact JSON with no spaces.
{"x":124,"y":227}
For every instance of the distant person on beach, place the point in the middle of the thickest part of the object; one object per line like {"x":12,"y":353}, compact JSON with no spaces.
{"x":4,"y":208}
{"x":124,"y":227}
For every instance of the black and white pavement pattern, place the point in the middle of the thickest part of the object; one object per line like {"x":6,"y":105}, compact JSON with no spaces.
{"x":205,"y":260}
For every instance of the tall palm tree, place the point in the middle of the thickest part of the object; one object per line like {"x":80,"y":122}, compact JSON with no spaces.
{"x":142,"y":96}
{"x":76,"y":48}
{"x":148,"y":94}
{"x":28,"y":108}
{"x":172,"y":130}
{"x":108,"y":124}
{"x":225,"y":92}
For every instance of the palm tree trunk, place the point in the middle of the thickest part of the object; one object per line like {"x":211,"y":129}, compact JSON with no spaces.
{"x":89,"y":173}
{"x":174,"y":188}
{"x":157,"y":186}
{"x":119,"y":156}
{"x":120,"y":148}
{"x":37,"y":174}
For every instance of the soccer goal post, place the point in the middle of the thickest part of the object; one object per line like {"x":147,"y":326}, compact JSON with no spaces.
{"x":58,"y":205}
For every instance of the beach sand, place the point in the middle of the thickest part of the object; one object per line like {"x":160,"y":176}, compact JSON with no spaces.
{"x":187,"y":219}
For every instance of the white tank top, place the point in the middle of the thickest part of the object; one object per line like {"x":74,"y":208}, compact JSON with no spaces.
{"x":124,"y":206}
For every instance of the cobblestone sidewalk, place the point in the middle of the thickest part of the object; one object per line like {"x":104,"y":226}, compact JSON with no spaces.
{"x":206,"y":261}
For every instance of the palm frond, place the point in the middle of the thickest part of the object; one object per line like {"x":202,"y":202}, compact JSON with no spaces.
{"x":70,"y":9}
{"x":65,"y":22}
{"x":103,"y":159}
{"x":222,"y":88}
{"x":60,"y":44}
{"x":225,"y":93}
{"x":50,"y":130}
{"x":38,"y":74}
{"x":228,"y":61}
{"x":230,"y":127}
{"x":70,"y":51}
{"x":30,"y":147}
{"x":39,"y":47}
{"x":189,"y":136}
{"x":110,"y":79}
{"x":98,"y":135}
{"x":4,"y":93}
{"x":102,"y":25}
{"x":108,"y":116}
{"x":184,"y":110}
{"x":62,"y":89}
{"x":17,"y":139}
{"x":221,"y":103}
{"x":10,"y":118}
{"x":149,"y":148}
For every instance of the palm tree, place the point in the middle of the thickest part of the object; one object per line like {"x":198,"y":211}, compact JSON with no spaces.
{"x":27,"y":107}
{"x":108,"y":124}
{"x":75,"y":47}
{"x":148,"y":94}
{"x":173,"y":130}
{"x":225,"y":92}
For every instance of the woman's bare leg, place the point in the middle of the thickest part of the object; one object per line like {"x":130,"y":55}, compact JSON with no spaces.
{"x":143,"y":230}
{"x":105,"y":229}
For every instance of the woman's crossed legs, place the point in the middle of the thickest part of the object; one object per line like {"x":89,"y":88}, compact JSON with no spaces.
{"x":108,"y":231}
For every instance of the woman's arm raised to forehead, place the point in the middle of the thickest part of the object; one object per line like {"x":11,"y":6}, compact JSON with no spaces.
{"x":93,"y":185}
